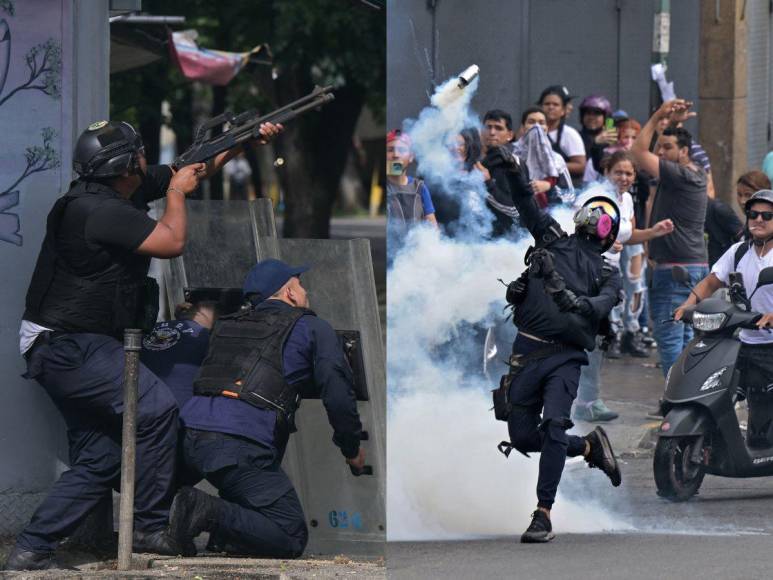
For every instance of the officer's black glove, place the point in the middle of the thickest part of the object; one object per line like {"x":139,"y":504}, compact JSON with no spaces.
{"x":583,"y":307}
{"x":565,"y":299}
{"x":541,"y":265}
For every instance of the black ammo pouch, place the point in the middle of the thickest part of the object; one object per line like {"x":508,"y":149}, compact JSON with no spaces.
{"x":244,"y":360}
{"x":501,"y":395}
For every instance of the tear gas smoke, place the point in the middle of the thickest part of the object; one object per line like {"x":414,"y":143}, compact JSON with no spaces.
{"x":446,"y":478}
{"x":433,"y":135}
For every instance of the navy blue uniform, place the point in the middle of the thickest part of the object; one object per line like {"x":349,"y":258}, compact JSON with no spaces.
{"x":80,"y":365}
{"x":549,"y":384}
{"x":173,"y":351}
{"x":239,"y":448}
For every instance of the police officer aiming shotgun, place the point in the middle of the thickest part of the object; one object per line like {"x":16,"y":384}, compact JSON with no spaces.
{"x":89,"y":284}
{"x":558,"y":304}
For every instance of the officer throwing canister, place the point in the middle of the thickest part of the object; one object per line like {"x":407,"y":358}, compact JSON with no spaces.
{"x":559,"y":303}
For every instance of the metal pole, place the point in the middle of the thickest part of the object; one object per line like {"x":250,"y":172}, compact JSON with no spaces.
{"x":132,"y":343}
{"x":661,"y":34}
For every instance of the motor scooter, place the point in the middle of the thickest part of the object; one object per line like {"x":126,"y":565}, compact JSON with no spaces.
{"x":700,"y":433}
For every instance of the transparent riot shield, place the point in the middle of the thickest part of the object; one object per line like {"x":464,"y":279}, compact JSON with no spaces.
{"x":220,"y":248}
{"x":345,"y":513}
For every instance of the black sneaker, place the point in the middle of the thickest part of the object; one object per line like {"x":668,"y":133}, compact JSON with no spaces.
{"x":602,"y":456}
{"x":28,"y":560}
{"x":540,"y":530}
{"x":193,"y":511}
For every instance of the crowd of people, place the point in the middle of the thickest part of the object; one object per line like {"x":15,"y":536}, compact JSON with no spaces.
{"x":659,"y":175}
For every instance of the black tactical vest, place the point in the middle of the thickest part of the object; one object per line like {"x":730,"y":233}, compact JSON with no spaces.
{"x":245,"y":361}
{"x":404,"y":202}
{"x":104,"y":302}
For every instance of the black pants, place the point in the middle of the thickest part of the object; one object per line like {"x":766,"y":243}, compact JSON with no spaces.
{"x":260,"y":513}
{"x":542,"y":395}
{"x":83,"y":375}
{"x":756,"y":365}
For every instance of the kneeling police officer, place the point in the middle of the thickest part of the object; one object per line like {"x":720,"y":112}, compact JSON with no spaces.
{"x":89,"y":284}
{"x":558,"y":303}
{"x":260,"y":362}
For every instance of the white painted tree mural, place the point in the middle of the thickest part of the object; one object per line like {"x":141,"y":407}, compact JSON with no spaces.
{"x":44,"y":65}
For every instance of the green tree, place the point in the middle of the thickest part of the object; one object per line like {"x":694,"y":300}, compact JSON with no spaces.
{"x":336,"y":42}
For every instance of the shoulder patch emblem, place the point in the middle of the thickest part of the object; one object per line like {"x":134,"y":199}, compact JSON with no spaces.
{"x":161,"y":338}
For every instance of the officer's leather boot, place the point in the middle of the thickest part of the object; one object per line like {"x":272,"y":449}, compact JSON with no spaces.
{"x":20,"y":559}
{"x":193,"y":512}
{"x":158,"y":542}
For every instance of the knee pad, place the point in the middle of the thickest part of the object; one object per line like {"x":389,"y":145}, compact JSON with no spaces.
{"x":555,"y":430}
{"x":522,"y":427}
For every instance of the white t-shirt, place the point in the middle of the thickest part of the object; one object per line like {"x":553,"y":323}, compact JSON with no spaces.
{"x":625,"y":203}
{"x":571,"y":142}
{"x":749,"y":267}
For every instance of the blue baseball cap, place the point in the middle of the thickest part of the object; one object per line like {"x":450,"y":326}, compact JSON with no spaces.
{"x":268,"y":276}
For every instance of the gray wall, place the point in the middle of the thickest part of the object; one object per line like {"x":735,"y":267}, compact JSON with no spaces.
{"x":33,"y":444}
{"x":523,"y":46}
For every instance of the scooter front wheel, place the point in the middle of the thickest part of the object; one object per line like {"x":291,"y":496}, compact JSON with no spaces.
{"x":677,"y":477}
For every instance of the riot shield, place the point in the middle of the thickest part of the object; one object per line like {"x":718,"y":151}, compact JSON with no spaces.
{"x":344,"y":513}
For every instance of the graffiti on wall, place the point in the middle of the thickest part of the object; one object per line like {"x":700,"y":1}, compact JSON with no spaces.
{"x":44,"y":73}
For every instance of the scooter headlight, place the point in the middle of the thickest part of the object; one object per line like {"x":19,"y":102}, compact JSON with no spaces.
{"x":708,"y":322}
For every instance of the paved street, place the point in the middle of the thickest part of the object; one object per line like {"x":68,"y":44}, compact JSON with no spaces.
{"x":724,"y":532}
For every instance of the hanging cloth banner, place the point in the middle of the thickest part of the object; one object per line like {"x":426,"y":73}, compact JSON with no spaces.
{"x":215,"y":67}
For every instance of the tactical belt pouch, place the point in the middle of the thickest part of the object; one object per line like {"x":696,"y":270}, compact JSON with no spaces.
{"x":501,"y":395}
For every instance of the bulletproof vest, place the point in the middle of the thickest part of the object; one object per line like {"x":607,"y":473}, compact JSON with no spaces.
{"x":245,"y":360}
{"x":404,"y":202}
{"x":107,"y":301}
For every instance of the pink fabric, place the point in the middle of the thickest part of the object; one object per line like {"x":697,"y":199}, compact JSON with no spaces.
{"x":215,"y":67}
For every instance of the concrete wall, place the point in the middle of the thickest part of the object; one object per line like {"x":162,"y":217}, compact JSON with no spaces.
{"x":72,"y":36}
{"x":521,"y":47}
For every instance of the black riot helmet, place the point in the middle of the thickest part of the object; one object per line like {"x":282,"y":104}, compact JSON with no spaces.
{"x":107,"y":149}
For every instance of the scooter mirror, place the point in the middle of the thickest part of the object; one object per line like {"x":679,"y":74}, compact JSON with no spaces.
{"x":680,"y":274}
{"x":766,"y":277}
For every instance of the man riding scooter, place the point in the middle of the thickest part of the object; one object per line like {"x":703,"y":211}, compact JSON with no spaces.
{"x":755,"y":359}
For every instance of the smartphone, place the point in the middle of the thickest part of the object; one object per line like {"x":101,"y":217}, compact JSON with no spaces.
{"x":609,"y":123}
